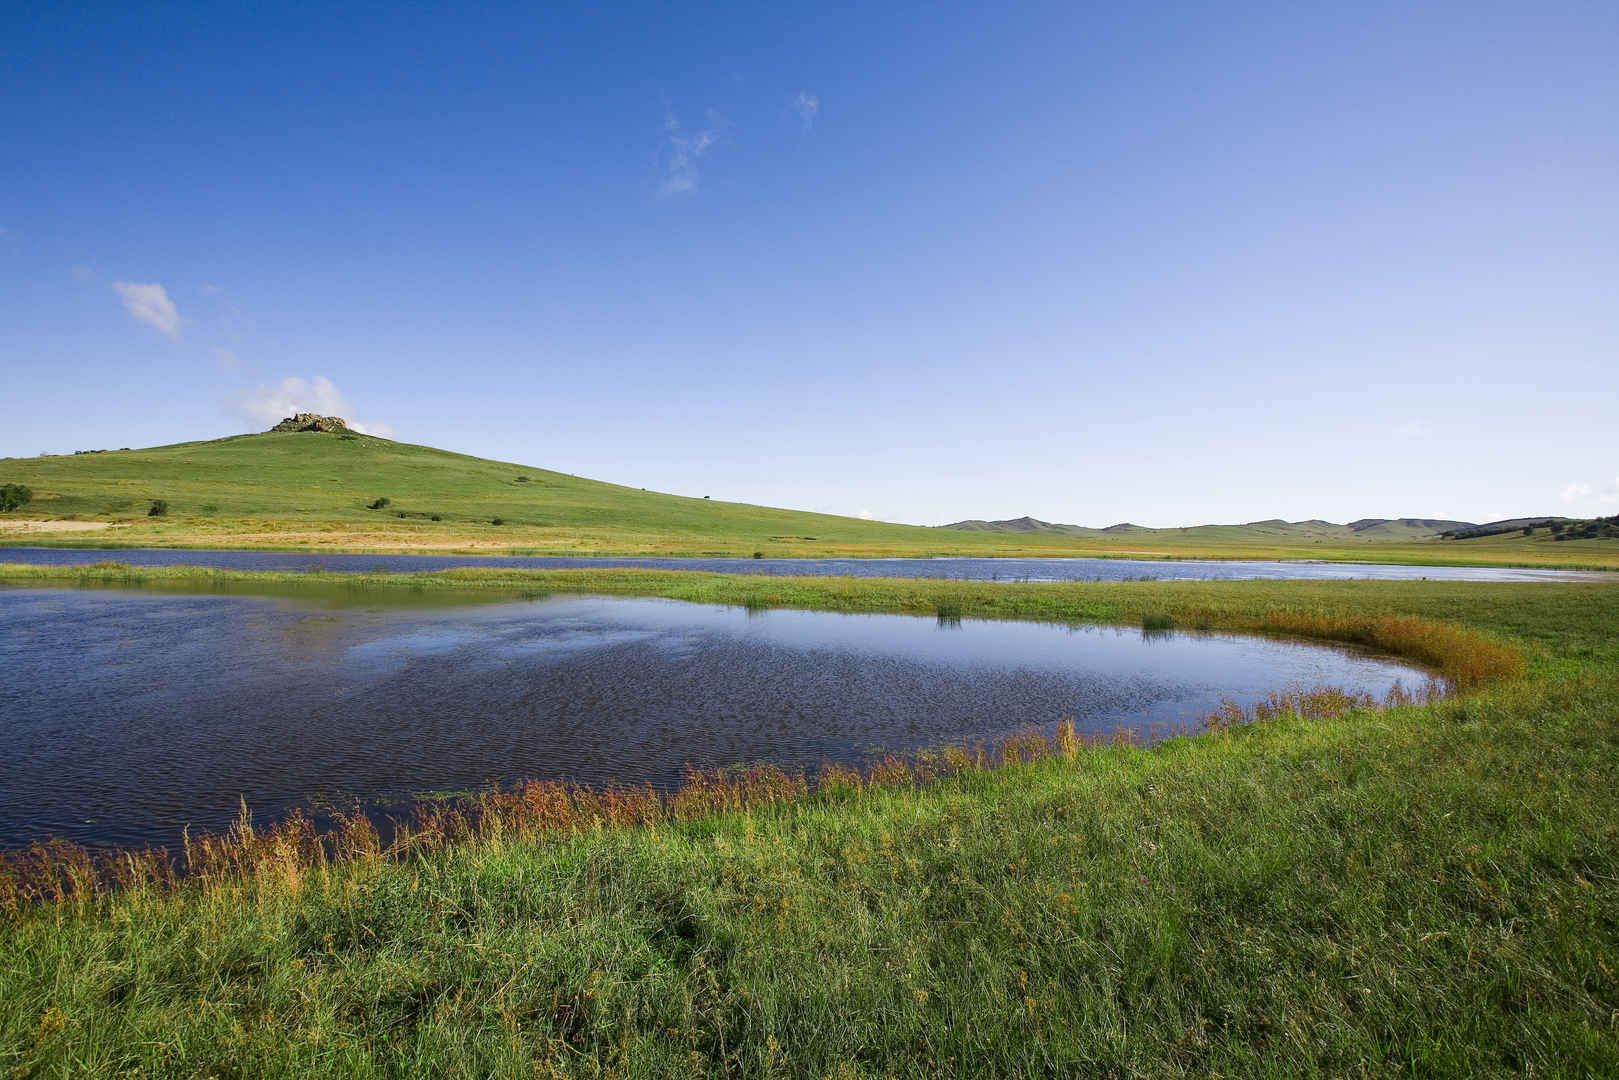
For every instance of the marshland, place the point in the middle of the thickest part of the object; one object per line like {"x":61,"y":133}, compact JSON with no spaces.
{"x":1333,"y":881}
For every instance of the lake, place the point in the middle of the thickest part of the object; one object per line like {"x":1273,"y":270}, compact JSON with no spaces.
{"x":962,"y":569}
{"x":129,"y":715}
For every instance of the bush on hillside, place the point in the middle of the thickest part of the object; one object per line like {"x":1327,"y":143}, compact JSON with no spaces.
{"x":13,"y":496}
{"x":379,"y":504}
{"x":160,"y":507}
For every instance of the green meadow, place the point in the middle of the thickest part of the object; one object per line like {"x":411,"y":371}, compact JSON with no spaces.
{"x":325,"y":492}
{"x":1422,"y":890}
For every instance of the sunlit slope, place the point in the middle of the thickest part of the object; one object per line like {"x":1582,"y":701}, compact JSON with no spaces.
{"x":305,"y":488}
{"x":313,"y":490}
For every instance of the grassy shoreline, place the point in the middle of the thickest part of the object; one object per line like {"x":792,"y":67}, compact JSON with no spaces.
{"x":1589,"y":558}
{"x":1429,"y":890}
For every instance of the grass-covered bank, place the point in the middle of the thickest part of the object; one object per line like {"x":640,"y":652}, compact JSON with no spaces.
{"x":1425,"y":890}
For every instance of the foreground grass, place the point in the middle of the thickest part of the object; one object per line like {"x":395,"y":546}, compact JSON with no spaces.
{"x":1425,"y":891}
{"x":307,"y":491}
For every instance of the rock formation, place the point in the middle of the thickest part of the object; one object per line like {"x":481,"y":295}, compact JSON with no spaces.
{"x":308,"y":421}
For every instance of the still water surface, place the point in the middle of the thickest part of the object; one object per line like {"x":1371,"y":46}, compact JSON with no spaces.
{"x":956,"y":568}
{"x":128,"y":715}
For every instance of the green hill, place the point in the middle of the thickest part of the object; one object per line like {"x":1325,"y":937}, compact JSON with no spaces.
{"x":318,"y":489}
{"x":325,"y":490}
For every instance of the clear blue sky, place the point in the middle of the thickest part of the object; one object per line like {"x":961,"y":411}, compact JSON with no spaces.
{"x":1163,"y":263}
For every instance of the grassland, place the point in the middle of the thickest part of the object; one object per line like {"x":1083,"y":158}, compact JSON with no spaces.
{"x":1427,"y":890}
{"x":312,"y":492}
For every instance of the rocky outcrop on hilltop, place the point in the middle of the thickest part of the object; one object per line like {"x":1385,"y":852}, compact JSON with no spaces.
{"x":308,"y":421}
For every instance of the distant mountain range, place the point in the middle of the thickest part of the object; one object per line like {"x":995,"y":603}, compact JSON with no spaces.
{"x":1275,"y":528}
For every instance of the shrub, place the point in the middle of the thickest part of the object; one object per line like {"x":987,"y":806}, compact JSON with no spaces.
{"x":758,"y":554}
{"x":13,"y":496}
{"x":1157,"y":624}
{"x":434,"y":517}
{"x":160,"y":507}
{"x":1529,"y":530}
{"x":497,"y":521}
{"x":379,"y":504}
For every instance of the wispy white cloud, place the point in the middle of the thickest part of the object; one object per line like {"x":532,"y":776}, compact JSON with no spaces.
{"x":271,"y":403}
{"x":150,"y":304}
{"x":682,"y":150}
{"x":867,"y":515}
{"x":1576,"y":492}
{"x":808,"y":107}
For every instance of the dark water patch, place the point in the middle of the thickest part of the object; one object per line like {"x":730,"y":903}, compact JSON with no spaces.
{"x":961,"y":569}
{"x":128,"y":716}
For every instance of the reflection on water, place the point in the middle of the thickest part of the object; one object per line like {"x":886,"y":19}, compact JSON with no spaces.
{"x":129,"y":715}
{"x":959,"y":569}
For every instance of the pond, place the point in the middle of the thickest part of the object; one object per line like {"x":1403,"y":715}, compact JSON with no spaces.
{"x":963,"y":569}
{"x":129,"y":715}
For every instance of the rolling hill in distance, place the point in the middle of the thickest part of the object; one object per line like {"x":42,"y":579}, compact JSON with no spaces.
{"x":1364,"y":529}
{"x":339,"y":490}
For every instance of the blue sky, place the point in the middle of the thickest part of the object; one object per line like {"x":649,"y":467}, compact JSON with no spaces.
{"x":1162,"y":263}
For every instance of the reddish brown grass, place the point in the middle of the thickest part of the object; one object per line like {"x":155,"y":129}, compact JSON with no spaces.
{"x":1465,"y":659}
{"x":284,"y":854}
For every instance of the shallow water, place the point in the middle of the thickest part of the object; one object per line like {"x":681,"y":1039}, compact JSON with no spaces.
{"x":954,"y":568}
{"x":129,"y":715}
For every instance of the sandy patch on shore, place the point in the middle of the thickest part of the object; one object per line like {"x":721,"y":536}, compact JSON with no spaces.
{"x":56,"y":526}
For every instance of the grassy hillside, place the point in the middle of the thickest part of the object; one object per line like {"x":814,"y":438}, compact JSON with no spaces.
{"x":309,"y":490}
{"x":1428,"y":891}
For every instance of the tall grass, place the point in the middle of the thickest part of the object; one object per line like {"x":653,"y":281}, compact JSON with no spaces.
{"x":286,"y":851}
{"x":1369,"y":894}
{"x":1429,"y":889}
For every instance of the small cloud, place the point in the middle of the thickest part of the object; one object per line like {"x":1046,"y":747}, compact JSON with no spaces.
{"x":866,"y":515}
{"x":211,"y":290}
{"x":807,"y":106}
{"x":681,"y":151}
{"x":269,"y":404}
{"x":150,"y":304}
{"x":1413,"y":429}
{"x":225,"y":359}
{"x":1578,"y":492}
